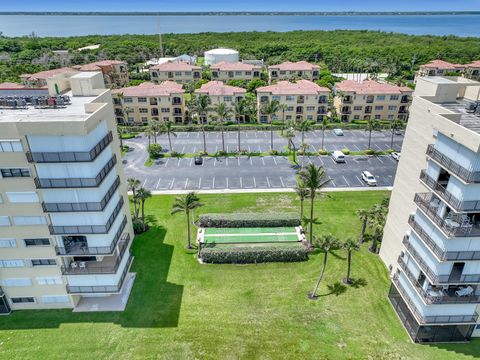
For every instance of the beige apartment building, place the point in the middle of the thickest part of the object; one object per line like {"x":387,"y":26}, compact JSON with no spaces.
{"x":431,"y":242}
{"x":65,"y":224}
{"x":472,"y":71}
{"x":224,"y":71}
{"x":138,"y":105}
{"x":181,"y":72}
{"x":39,"y":79}
{"x":293,"y":70}
{"x":371,"y":99}
{"x":303,"y":100}
{"x":438,"y":68}
{"x":115,"y":73}
{"x":218,"y":93}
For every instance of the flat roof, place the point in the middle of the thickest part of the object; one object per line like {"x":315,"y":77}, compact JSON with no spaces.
{"x":467,"y":120}
{"x":75,"y":111}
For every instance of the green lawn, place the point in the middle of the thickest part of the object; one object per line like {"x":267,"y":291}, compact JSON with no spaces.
{"x":180,"y":309}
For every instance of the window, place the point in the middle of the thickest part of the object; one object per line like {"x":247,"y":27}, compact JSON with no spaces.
{"x":23,"y":172}
{"x":283,"y":72}
{"x":188,"y":73}
{"x":290,"y":108}
{"x":390,"y":117}
{"x":49,"y":280}
{"x":377,"y":117}
{"x":392,"y":108}
{"x":289,"y":117}
{"x":290,"y":98}
{"x":13,"y":282}
{"x":4,"y":221}
{"x":127,"y":99}
{"x":309,"y":117}
{"x":356,"y":117}
{"x":143,"y":111}
{"x":20,"y":300}
{"x":394,"y":97}
{"x":8,"y":243}
{"x":227,"y":98}
{"x":357,"y":108}
{"x":248,"y":73}
{"x":142,"y":99}
{"x":37,"y":242}
{"x":50,"y":299}
{"x":11,"y":263}
{"x":23,"y":197}
{"x":29,"y":220}
{"x":238,"y":73}
{"x":276,"y":97}
{"x":144,"y":119}
{"x":11,"y":146}
{"x":166,"y":118}
{"x":165,"y":110}
{"x":378,"y":108}
{"x":310,"y":108}
{"x":263,"y":119}
{"x":178,"y":73}
{"x":43,"y":262}
{"x":380,"y":97}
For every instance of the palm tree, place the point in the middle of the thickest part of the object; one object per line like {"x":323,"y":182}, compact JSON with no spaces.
{"x":240,"y":110}
{"x":302,"y":193}
{"x":372,"y":125}
{"x":396,"y":124}
{"x":223,"y":112}
{"x":363,"y":215}
{"x":167,"y":128}
{"x":289,"y":134}
{"x":283,"y":108}
{"x":142,"y":195}
{"x":270,"y":108}
{"x":149,"y":133}
{"x":324,"y":126}
{"x":124,"y":109}
{"x":327,"y":243}
{"x":120,"y":133}
{"x":350,"y":245}
{"x":200,"y":107}
{"x":154,"y":127}
{"x":376,"y":222}
{"x":314,"y":178}
{"x":186,"y":204}
{"x":133,"y":185}
{"x":304,"y":126}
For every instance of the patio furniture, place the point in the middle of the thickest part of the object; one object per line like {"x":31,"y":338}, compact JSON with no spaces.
{"x":74,"y":265}
{"x":464,"y":291}
{"x":451,"y":224}
{"x":435,"y":203}
{"x":82,"y":265}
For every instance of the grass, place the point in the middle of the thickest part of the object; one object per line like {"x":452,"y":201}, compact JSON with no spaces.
{"x":180,"y":309}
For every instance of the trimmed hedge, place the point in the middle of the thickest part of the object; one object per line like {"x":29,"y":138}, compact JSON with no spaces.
{"x":254,"y":254}
{"x":239,"y":220}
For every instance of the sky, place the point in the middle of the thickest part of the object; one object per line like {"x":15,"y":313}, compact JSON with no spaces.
{"x":242,"y":5}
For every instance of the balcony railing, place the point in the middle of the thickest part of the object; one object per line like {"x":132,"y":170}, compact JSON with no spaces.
{"x":454,"y":202}
{"x":466,"y":175}
{"x":77,"y":182}
{"x":82,"y":249}
{"x":434,"y":278}
{"x":88,"y":229}
{"x":101,"y":288}
{"x":451,"y":227}
{"x":86,"y":156}
{"x":428,"y":297}
{"x":86,"y":206}
{"x":425,"y":320}
{"x":109,"y":264}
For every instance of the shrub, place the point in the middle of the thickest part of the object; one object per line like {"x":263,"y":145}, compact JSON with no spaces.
{"x":370,"y":152}
{"x":220,"y":153}
{"x":273,"y":152}
{"x":390,"y":151}
{"x":323,"y":152}
{"x":346,"y":151}
{"x":203,"y":153}
{"x":155,"y":150}
{"x":244,"y":152}
{"x":237,"y":220}
{"x":175,"y":154}
{"x":138,"y":226}
{"x":254,"y":254}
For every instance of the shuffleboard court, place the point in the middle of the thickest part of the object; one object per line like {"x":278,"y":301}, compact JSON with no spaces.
{"x":250,"y":235}
{"x":261,"y":230}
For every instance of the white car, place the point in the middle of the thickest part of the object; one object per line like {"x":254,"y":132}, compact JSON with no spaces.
{"x":395,"y":155}
{"x":338,"y":132}
{"x":369,"y":178}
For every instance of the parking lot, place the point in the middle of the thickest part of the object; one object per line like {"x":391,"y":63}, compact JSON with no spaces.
{"x":267,"y":172}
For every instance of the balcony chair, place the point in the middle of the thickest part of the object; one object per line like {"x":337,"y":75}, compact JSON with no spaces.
{"x":82,"y":265}
{"x":468,"y":291}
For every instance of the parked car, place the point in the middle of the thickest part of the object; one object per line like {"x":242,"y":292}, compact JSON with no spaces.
{"x":338,"y":156}
{"x":338,"y":132}
{"x":395,"y":155}
{"x":369,"y":178}
{"x":198,"y":160}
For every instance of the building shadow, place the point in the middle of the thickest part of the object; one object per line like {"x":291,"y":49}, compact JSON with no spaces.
{"x":471,"y":348}
{"x":154,"y":302}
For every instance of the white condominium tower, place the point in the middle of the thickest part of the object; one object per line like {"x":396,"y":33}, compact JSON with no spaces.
{"x":431,"y":242}
{"x":65,"y":226}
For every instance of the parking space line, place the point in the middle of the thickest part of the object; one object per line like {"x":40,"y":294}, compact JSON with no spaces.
{"x":195,"y":149}
{"x":241,"y":185}
{"x":213,"y":183}
{"x":281,"y":180}
{"x":263,"y":161}
{"x":171,"y":184}
{"x":333,"y":182}
{"x":186,"y":183}
{"x":227,"y":183}
{"x":254,"y":182}
{"x":144,"y":182}
{"x":346,"y":181}
{"x":274,"y":160}
{"x":183,"y":149}
{"x":360,"y":181}
{"x":200,"y":183}
{"x":314,"y":149}
{"x":378,"y":158}
{"x":158,"y":183}
{"x":166,"y":162}
{"x":251,"y":162}
{"x":356,"y":147}
{"x":249,"y":150}
{"x":215,"y":162}
{"x":191,"y":160}
{"x":378,"y":147}
{"x":238,"y":161}
{"x":226,"y":160}
{"x":178,"y":163}
{"x":268,"y":181}
{"x":321,"y":161}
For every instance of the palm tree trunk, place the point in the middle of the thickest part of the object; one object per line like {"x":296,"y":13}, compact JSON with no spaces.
{"x":323,"y":138}
{"x":155,"y":136}
{"x":314,"y":294}
{"x":134,"y":205}
{"x":312,"y":198}
{"x":223,"y":141}
{"x":188,"y":230}
{"x":369,"y":139}
{"x":169,"y":141}
{"x":393,"y":133}
{"x":143,"y":214}
{"x":373,"y":245}
{"x":121,"y":141}
{"x":349,"y":263}
{"x":149,"y":140}
{"x":204,"y":139}
{"x":238,"y":122}
{"x":362,"y":233}
{"x":301,"y":209}
{"x":271,"y":134}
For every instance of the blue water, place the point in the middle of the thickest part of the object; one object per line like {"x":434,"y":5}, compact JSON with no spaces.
{"x":60,"y":25}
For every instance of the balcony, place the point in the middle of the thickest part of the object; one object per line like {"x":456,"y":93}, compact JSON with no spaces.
{"x":83,"y":207}
{"x":177,"y":101}
{"x":469,"y":176}
{"x":88,"y":229}
{"x":56,"y":157}
{"x":109,"y":264}
{"x":453,"y":226}
{"x":402,"y":110}
{"x":425,"y":320}
{"x":77,"y":182}
{"x":437,"y":296}
{"x":347,"y":100}
{"x":98,"y":289}
{"x":405,"y":99}
{"x":300,"y":100}
{"x":82,"y":248}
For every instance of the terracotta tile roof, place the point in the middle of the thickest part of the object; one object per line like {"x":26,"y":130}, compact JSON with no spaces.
{"x":43,"y":75}
{"x":440,"y":64}
{"x":97,"y":66}
{"x":475,"y":64}
{"x":181,"y":66}
{"x":219,"y":88}
{"x":301,"y":87}
{"x":295,"y":66}
{"x":11,"y":86}
{"x":147,"y":89}
{"x":238,"y":66}
{"x":371,"y":87}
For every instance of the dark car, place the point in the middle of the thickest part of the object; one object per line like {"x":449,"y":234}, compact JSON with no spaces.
{"x":198,"y":160}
